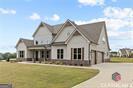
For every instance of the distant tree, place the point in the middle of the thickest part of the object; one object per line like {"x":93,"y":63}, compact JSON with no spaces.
{"x":1,"y":56}
{"x":7,"y":56}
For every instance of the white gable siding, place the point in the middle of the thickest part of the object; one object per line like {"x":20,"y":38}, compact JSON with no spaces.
{"x":102,"y":45}
{"x":43,"y":36}
{"x":77,"y":41}
{"x":65,"y":33}
{"x":21,"y":47}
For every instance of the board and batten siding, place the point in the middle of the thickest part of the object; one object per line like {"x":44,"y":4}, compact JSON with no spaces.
{"x":102,"y":45}
{"x":22,"y":47}
{"x":43,"y":36}
{"x":77,"y":41}
{"x":65,"y":33}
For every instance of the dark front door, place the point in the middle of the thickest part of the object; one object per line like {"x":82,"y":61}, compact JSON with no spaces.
{"x":36,"y":55}
{"x":95,"y":57}
{"x":102,"y":56}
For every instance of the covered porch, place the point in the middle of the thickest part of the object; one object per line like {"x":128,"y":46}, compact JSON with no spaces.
{"x":40,"y":53}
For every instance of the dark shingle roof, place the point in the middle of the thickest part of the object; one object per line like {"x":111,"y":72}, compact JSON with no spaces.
{"x":56,"y":28}
{"x":27,"y":42}
{"x":92,"y":31}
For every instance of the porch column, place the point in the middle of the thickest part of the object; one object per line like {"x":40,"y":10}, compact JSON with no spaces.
{"x":39,"y":56}
{"x":45,"y":54}
{"x":34,"y":56}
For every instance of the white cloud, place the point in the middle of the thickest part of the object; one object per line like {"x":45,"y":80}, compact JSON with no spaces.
{"x":35,"y":16}
{"x":7,"y":11}
{"x":91,"y":2}
{"x":116,"y":12}
{"x":55,"y":17}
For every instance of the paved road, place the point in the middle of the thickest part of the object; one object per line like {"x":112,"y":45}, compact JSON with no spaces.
{"x":104,"y":78}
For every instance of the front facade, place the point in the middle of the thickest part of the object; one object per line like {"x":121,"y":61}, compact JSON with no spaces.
{"x":125,"y":52}
{"x":68,"y":43}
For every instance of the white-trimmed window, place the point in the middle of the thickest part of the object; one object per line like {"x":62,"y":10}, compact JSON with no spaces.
{"x":42,"y":54}
{"x":77,"y":53}
{"x":60,"y":53}
{"x":21,"y":54}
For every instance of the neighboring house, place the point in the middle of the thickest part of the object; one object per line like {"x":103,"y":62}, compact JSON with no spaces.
{"x":68,"y":42}
{"x":125,"y":52}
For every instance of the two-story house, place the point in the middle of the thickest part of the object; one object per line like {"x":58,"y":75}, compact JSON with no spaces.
{"x":68,"y":42}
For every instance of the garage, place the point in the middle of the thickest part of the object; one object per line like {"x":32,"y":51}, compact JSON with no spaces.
{"x":96,"y":57}
{"x":100,"y":57}
{"x":93,"y":57}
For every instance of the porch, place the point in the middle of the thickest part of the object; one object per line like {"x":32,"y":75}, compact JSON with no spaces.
{"x":40,"y":53}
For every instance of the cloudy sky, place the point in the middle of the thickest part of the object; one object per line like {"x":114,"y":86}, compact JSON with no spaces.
{"x":20,"y":18}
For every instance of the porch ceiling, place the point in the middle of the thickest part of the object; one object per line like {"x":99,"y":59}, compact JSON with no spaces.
{"x":38,"y":47}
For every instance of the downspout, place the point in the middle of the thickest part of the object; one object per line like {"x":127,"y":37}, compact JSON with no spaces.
{"x":90,"y":53}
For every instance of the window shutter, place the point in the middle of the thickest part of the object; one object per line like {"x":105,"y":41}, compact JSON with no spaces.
{"x":71,"y":53}
{"x":82,"y":53}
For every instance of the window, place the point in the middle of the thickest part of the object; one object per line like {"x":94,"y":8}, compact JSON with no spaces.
{"x":21,"y":54}
{"x":60,"y":53}
{"x":36,"y":42}
{"x":47,"y":54}
{"x":42,"y":54}
{"x":77,"y":53}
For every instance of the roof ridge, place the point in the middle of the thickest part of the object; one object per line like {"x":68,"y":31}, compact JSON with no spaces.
{"x":91,"y":23}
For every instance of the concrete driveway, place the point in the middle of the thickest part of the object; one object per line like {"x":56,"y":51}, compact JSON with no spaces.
{"x":104,"y":78}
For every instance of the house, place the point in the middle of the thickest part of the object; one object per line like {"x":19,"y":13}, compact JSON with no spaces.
{"x":125,"y":52}
{"x":68,"y":43}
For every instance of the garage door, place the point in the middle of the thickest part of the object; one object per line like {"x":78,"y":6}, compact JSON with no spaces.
{"x":99,"y":57}
{"x":93,"y":57}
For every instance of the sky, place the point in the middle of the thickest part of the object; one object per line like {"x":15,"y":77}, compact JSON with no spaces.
{"x":20,"y":18}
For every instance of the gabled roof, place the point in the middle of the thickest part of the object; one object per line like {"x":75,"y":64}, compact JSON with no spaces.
{"x":44,"y":24}
{"x":57,"y":27}
{"x":92,"y":31}
{"x":27,"y":42}
{"x":123,"y":51}
{"x":52,"y":28}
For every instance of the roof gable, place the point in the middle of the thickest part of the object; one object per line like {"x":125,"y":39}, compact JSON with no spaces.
{"x":92,"y":31}
{"x":67,"y":23}
{"x":27,"y":42}
{"x":50,"y":28}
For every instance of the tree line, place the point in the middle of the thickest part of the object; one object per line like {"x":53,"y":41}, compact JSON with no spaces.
{"x":7,"y":55}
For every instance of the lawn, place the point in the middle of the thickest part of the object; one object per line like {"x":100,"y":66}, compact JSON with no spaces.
{"x":36,"y":76}
{"x":121,"y":60}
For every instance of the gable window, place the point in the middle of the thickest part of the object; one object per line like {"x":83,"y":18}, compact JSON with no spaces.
{"x":60,"y":53}
{"x":77,"y":53}
{"x":21,"y":54}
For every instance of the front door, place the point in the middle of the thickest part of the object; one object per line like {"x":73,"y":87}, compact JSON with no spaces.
{"x":36,"y":55}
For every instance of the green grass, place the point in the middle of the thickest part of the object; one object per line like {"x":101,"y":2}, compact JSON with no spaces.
{"x":121,"y":60}
{"x":36,"y":76}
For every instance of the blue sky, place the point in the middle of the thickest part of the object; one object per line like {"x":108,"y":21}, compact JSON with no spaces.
{"x":20,"y":18}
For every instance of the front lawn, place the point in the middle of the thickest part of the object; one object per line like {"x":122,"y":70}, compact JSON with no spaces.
{"x":121,"y":60}
{"x":36,"y":76}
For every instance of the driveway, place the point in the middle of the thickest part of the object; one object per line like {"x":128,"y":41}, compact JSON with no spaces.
{"x":104,"y":78}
